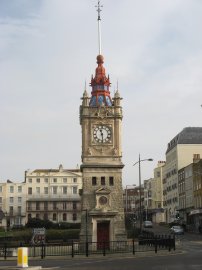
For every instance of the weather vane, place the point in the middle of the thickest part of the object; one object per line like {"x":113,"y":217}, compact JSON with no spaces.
{"x":99,"y":25}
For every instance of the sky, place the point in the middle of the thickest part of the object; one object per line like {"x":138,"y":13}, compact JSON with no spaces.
{"x":48,"y":49}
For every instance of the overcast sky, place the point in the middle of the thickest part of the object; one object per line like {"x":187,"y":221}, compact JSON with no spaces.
{"x":48,"y":49}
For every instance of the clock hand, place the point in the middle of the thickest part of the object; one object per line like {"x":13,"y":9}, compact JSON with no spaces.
{"x":101,"y":134}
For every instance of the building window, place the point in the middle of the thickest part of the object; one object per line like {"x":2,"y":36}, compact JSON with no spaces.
{"x":0,"y":188}
{"x":102,"y":180}
{"x":74,"y":216}
{"x":54,"y":205}
{"x":64,"y":217}
{"x":55,"y":190}
{"x":11,"y":199}
{"x":29,"y":190}
{"x":46,"y":206}
{"x":74,"y":190}
{"x":64,"y":180}
{"x":64,"y":190}
{"x":30,"y":180}
{"x":29,"y":216}
{"x":46,"y":180}
{"x":11,"y":210}
{"x":54,"y":180}
{"x":37,"y":190}
{"x":94,"y":181}
{"x":29,"y":206}
{"x":37,"y":205}
{"x":11,"y":189}
{"x":18,"y":221}
{"x":45,"y":190}
{"x":38,"y":180}
{"x":19,"y":189}
{"x":19,"y":199}
{"x":45,"y":216}
{"x":111,"y":180}
{"x":37,"y":216}
{"x":54,"y":216}
{"x":64,"y":205}
{"x":19,"y":210}
{"x":74,"y":180}
{"x":74,"y":205}
{"x":0,"y":199}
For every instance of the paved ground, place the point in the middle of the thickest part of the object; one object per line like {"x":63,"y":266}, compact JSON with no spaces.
{"x":93,"y":261}
{"x":188,"y":256}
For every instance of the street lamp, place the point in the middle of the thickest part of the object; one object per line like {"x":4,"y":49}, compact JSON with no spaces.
{"x":138,"y":162}
{"x":127,"y":196}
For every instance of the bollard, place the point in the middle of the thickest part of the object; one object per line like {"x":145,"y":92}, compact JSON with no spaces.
{"x":22,"y":257}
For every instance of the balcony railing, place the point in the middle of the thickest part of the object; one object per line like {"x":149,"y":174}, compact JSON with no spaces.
{"x":15,"y":214}
{"x":33,"y":209}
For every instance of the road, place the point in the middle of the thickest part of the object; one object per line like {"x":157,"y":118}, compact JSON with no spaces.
{"x":188,"y":256}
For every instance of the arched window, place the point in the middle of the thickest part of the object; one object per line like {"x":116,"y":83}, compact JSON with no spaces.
{"x":64,"y":217}
{"x":74,"y":216}
{"x":54,"y":216}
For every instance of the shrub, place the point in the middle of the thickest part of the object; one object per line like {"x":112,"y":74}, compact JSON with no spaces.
{"x":22,"y":235}
{"x":25,"y":236}
{"x":66,"y":225}
{"x":38,"y":223}
{"x":62,"y":235}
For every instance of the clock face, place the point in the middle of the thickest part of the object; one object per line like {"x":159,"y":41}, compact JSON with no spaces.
{"x":103,"y":200}
{"x":102,"y":134}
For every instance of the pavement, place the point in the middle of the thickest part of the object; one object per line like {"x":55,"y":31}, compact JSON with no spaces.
{"x":46,"y":262}
{"x":43,"y":262}
{"x":20,"y":268}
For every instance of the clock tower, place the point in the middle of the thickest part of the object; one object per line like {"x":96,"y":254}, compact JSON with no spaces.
{"x":102,"y":216}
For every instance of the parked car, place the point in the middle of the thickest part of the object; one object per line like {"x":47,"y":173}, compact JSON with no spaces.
{"x":177,"y":229}
{"x":147,"y":224}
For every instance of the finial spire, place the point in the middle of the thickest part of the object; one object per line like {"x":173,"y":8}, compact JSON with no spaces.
{"x":85,"y":85}
{"x":99,"y":25}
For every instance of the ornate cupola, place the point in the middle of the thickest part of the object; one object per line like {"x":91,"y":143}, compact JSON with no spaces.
{"x":100,"y":95}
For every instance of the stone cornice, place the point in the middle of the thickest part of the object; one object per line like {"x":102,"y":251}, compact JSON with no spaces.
{"x":107,"y":166}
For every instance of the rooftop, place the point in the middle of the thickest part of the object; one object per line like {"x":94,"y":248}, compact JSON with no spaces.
{"x":189,"y":135}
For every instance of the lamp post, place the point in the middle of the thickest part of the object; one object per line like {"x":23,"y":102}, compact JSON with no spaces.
{"x":139,"y":162}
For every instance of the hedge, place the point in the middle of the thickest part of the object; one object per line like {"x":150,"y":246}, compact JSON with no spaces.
{"x":25,"y":236}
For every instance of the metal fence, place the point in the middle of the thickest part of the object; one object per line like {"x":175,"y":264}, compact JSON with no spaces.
{"x":144,"y":244}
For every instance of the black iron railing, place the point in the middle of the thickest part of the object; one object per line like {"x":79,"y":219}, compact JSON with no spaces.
{"x":145,"y":243}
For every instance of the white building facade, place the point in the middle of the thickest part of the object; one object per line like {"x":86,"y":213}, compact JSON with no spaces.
{"x":46,"y":194}
{"x":53,"y":194}
{"x":179,"y":154}
{"x":13,"y":204}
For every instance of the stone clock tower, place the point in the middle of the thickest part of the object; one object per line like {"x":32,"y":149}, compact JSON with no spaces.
{"x":102,"y":218}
